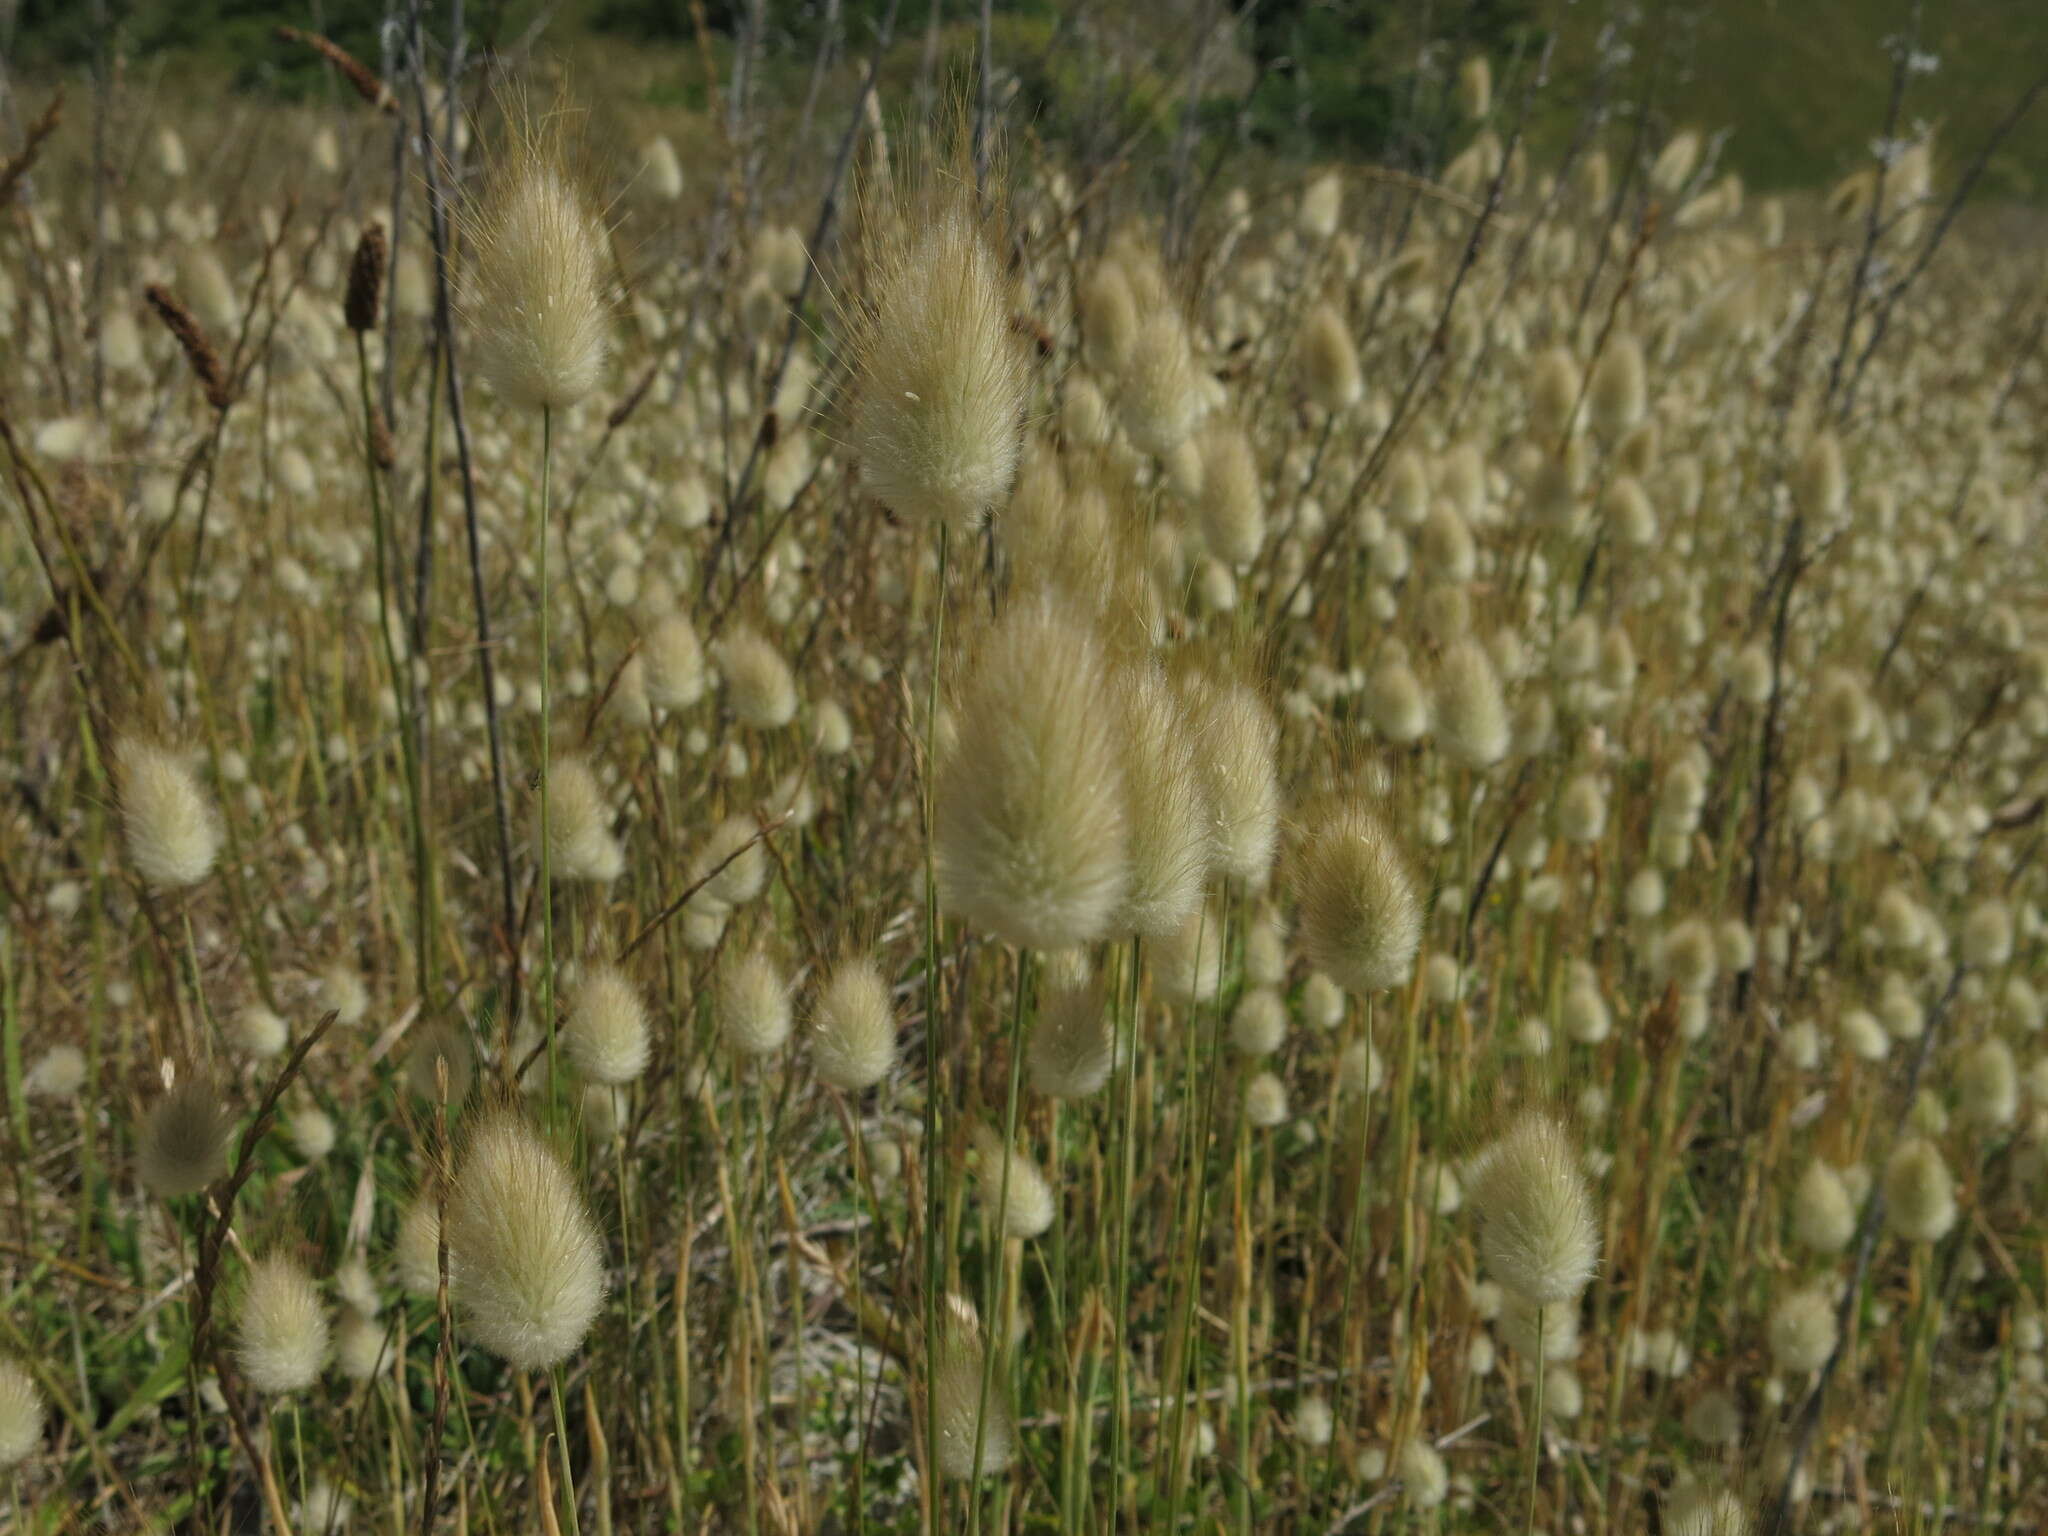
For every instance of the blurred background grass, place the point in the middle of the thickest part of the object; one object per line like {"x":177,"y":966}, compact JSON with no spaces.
{"x":1799,"y":87}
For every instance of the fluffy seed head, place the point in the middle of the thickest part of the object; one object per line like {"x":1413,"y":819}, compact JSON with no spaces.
{"x":579,"y":834}
{"x":758,"y":683}
{"x":660,"y":169}
{"x":1108,"y":312}
{"x":957,"y":1407}
{"x":359,"y":1346}
{"x":940,"y":409}
{"x":21,"y":1413}
{"x":1425,"y":1482}
{"x":1987,"y":935}
{"x":182,"y":1144}
{"x":1618,"y":392}
{"x":674,"y":663}
{"x":525,"y":1263}
{"x":57,"y":1074}
{"x":1821,"y":485}
{"x":606,"y":1035}
{"x":753,"y":1005}
{"x":1258,"y":1025}
{"x":536,"y":294}
{"x":1161,"y":397}
{"x":1548,"y":1333}
{"x":1265,"y":1101}
{"x":172,"y":830}
{"x":1029,"y":819}
{"x":1471,"y":714}
{"x":1027,"y":1206}
{"x":734,"y":844}
{"x":1168,"y":836}
{"x":1395,"y":701}
{"x":853,"y":1039}
{"x":260,"y":1033}
{"x":1329,"y":362}
{"x":1689,"y":955}
{"x":1823,"y":1215}
{"x":1236,"y":744}
{"x":1988,"y":1086}
{"x":281,"y":1339}
{"x":1802,"y":1333}
{"x":1072,"y":1049}
{"x":417,"y":1250}
{"x":1703,"y":1511}
{"x":1361,"y":919}
{"x":1538,"y":1232}
{"x":1231,"y":504}
{"x":1920,"y":1193}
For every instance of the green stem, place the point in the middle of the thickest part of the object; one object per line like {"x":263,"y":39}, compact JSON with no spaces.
{"x":934,"y":1157}
{"x":997,"y":1284}
{"x":562,"y":1447}
{"x":547,"y":895}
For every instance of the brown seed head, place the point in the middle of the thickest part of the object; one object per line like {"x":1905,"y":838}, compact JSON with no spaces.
{"x":206,"y":366}
{"x":365,"y":280}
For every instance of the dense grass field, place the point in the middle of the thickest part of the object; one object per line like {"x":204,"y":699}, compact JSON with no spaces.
{"x":814,"y":805}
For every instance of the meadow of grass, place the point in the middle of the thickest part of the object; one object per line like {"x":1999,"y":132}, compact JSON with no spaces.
{"x":813,"y":815}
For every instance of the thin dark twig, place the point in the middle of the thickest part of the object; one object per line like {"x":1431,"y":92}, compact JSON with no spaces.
{"x":1881,"y":321}
{"x":654,"y":923}
{"x":828,"y":211}
{"x":444,"y":322}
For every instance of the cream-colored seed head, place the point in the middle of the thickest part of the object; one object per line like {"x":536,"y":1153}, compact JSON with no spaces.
{"x":1231,"y":503}
{"x":758,"y":683}
{"x":1329,"y":361}
{"x":525,"y":1263}
{"x":1258,"y":1025}
{"x":1072,"y":1048}
{"x":1361,"y":918}
{"x":57,"y":1074}
{"x":417,"y":1251}
{"x":182,"y":1144}
{"x":1425,"y":1481}
{"x":281,"y":1336}
{"x":753,"y":1011}
{"x":360,"y":1346}
{"x":1265,"y":1101}
{"x":1618,"y":392}
{"x":853,"y":1032}
{"x":1108,"y":313}
{"x":21,"y":1413}
{"x":259,"y":1032}
{"x":1169,"y":837}
{"x":1802,"y":1332}
{"x":172,"y":829}
{"x":536,"y":297}
{"x":1538,"y":1231}
{"x":962,"y":1414}
{"x":1161,"y":397}
{"x":580,"y":841}
{"x":1236,"y":746}
{"x":607,"y":1033}
{"x":1988,"y":1085}
{"x":1026,"y":1207}
{"x":1029,"y":821}
{"x":1471,"y":714}
{"x":673,"y":662}
{"x":1919,"y":1191}
{"x":939,"y":413}
{"x":1823,"y":1215}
